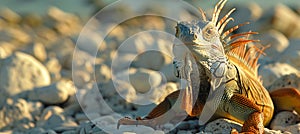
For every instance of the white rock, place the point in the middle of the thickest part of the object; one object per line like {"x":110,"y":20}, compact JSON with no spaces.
{"x":121,"y":62}
{"x":294,"y":129}
{"x":93,"y":102}
{"x":10,"y":16}
{"x":72,"y":106}
{"x":250,"y":12}
{"x":32,"y":19}
{"x":54,"y":121}
{"x":47,"y":35}
{"x":222,"y":126}
{"x":106,"y":89}
{"x":142,"y":86}
{"x":268,"y":131}
{"x":102,"y":73}
{"x":81,"y":78}
{"x":277,"y":41}
{"x":153,"y":60}
{"x":283,"y":18}
{"x":36,"y":130}
{"x":35,"y":108}
{"x":14,"y":112}
{"x":15,"y":36}
{"x":291,"y":55}
{"x":63,"y":49}
{"x":53,"y":118}
{"x":54,"y":68}
{"x":283,"y":120}
{"x":291,"y":80}
{"x":168,"y":72}
{"x":272,"y":72}
{"x":143,"y":80}
{"x":65,"y":23}
{"x":21,"y":72}
{"x":53,"y":94}
{"x":151,"y":50}
{"x":51,"y":110}
{"x":37,"y":50}
{"x":8,"y":48}
{"x":2,"y":53}
{"x":59,"y":15}
{"x":159,"y":94}
{"x":132,"y":129}
{"x":184,"y":132}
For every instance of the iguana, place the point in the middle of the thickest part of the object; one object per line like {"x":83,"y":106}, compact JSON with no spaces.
{"x":218,"y":59}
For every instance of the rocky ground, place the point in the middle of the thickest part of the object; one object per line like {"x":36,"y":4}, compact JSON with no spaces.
{"x":39,"y":94}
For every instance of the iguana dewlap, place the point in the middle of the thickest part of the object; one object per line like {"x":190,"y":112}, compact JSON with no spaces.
{"x":215,"y":61}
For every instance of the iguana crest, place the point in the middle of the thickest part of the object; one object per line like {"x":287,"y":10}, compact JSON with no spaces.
{"x":236,"y":46}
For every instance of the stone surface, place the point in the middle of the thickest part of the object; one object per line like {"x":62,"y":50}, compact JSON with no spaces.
{"x":36,"y":130}
{"x":32,"y":19}
{"x":159,"y":94}
{"x":37,"y":50}
{"x":153,"y":60}
{"x":21,"y":72}
{"x":291,"y":55}
{"x":144,"y":80}
{"x":65,"y":23}
{"x":291,"y":80}
{"x":222,"y":126}
{"x":55,"y":93}
{"x":9,"y":15}
{"x":15,"y":111}
{"x":35,"y":109}
{"x":268,"y":131}
{"x":93,"y":103}
{"x":283,"y":120}
{"x":62,"y":49}
{"x":294,"y":129}
{"x":54,"y":68}
{"x":15,"y":35}
{"x":251,"y":12}
{"x":121,"y":62}
{"x":168,"y":72}
{"x":286,"y":21}
{"x":52,"y":118}
{"x":277,"y":41}
{"x":102,"y":73}
{"x":3,"y":53}
{"x":271,"y":72}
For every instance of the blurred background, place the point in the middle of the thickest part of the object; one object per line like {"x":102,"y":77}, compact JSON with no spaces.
{"x":38,"y":39}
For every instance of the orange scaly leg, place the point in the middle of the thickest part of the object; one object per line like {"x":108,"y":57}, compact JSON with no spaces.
{"x":156,"y":117}
{"x":247,"y":110}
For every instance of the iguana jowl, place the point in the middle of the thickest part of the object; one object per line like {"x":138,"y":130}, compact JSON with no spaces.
{"x":217,"y":59}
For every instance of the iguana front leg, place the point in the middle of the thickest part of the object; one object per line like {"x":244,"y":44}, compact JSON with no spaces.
{"x":244,"y":109}
{"x":157,"y":116}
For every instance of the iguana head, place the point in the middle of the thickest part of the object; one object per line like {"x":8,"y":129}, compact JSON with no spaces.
{"x":205,"y":40}
{"x":202,"y":38}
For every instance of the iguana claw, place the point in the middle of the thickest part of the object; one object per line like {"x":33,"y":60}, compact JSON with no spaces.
{"x":137,"y":121}
{"x":126,"y":121}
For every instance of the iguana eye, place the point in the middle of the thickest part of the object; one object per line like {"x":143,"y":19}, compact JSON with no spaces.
{"x":208,"y":33}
